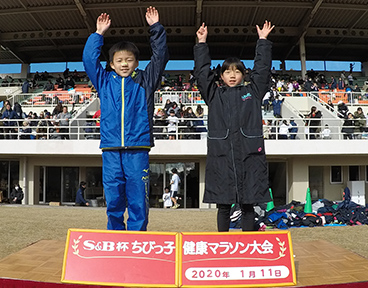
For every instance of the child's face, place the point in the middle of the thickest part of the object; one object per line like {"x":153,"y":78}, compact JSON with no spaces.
{"x":232,"y":76}
{"x":124,"y":63}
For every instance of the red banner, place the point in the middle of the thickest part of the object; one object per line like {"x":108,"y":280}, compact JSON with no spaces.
{"x":155,"y":259}
{"x":253,"y":259}
{"x":121,"y":257}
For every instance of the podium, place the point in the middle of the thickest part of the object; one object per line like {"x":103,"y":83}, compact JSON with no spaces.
{"x":158,"y":259}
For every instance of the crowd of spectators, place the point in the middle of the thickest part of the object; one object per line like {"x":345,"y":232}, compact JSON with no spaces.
{"x":173,"y":121}
{"x":16,"y":124}
{"x":176,"y":120}
{"x":49,"y":83}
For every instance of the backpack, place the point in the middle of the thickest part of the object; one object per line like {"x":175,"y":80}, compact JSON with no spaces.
{"x":21,"y":195}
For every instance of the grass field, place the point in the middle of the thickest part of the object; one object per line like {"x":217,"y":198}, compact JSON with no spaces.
{"x":23,"y":225}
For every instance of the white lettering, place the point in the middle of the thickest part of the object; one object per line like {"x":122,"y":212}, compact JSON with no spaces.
{"x":89,"y":245}
{"x":108,"y":246}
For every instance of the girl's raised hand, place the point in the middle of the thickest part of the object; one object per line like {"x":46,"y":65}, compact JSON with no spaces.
{"x":267,"y":28}
{"x":103,"y":23}
{"x":152,"y":15}
{"x":202,"y":34}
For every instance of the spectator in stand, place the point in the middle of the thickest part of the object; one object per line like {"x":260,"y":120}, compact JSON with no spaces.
{"x":344,"y":78}
{"x":44,"y":76}
{"x":333,"y":84}
{"x":280,"y":84}
{"x":314,"y":88}
{"x":66,"y":73}
{"x":296,"y":85}
{"x":97,"y":117}
{"x":342,"y":110}
{"x":326,"y":132}
{"x":76,"y":77}
{"x":69,"y":83}
{"x":10,"y":129}
{"x":359,"y":122}
{"x":349,"y":93}
{"x":190,"y":123}
{"x":25,"y":131}
{"x":36,"y":77}
{"x":159,"y":122}
{"x":19,"y":112}
{"x":290,"y":87}
{"x":351,"y":79}
{"x":330,"y":105}
{"x":172,"y":125}
{"x":176,"y":109}
{"x":191,"y":80}
{"x":89,"y":130}
{"x":34,"y":121}
{"x":340,"y":84}
{"x":199,"y":123}
{"x":308,"y":85}
{"x":55,"y":132}
{"x":64,"y":122}
{"x":57,"y":110}
{"x":357,"y":89}
{"x":60,"y":82}
{"x":314,"y":122}
{"x":25,"y":86}
{"x":267,"y":130}
{"x":293,"y":130}
{"x":40,"y":130}
{"x":49,"y":86}
{"x":168,"y":105}
{"x":284,"y":130}
{"x":276,"y":104}
{"x":348,"y":127}
{"x":266,"y":102}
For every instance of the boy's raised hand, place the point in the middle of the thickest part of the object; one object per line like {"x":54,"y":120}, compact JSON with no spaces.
{"x":202,"y":34}
{"x":267,"y":28}
{"x":103,"y":23}
{"x":152,"y":15}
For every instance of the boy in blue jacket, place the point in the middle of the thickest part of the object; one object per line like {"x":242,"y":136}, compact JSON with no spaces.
{"x":127,"y":105}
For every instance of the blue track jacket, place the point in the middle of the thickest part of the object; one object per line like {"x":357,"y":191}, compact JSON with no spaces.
{"x":127,"y":104}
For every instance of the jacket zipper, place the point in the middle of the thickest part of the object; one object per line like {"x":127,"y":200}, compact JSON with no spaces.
{"x":122,"y":111}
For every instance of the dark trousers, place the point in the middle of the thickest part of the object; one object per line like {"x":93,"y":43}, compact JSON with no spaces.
{"x":223,"y":217}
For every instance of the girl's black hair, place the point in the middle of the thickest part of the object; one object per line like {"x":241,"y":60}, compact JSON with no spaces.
{"x":233,"y":61}
{"x":123,"y":46}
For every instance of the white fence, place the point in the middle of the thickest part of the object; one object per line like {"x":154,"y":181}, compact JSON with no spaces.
{"x":184,"y":128}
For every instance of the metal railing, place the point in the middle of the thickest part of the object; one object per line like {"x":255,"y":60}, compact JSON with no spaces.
{"x":51,"y":99}
{"x":180,"y":97}
{"x":183,"y":128}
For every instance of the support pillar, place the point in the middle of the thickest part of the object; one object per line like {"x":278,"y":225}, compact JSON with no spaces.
{"x":24,"y":73}
{"x":302,"y":57}
{"x":365,"y":69}
{"x":298,"y":179}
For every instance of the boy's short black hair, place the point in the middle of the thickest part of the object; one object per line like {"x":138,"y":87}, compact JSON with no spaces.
{"x":233,"y":61}
{"x":124,"y":46}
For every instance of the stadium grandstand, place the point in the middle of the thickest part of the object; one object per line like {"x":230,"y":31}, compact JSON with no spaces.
{"x":325,"y":154}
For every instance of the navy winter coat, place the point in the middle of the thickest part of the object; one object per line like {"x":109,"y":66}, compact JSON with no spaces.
{"x":236,"y":170}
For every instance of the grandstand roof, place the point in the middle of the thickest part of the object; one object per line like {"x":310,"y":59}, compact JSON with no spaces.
{"x":56,"y":30}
